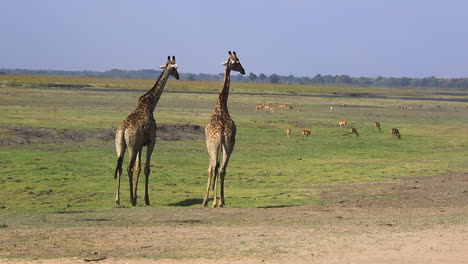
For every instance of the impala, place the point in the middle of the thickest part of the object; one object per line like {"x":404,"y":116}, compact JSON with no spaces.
{"x":394,"y":132}
{"x":306,"y":132}
{"x":353,"y":131}
{"x":377,"y":125}
{"x":343,"y":123}
{"x":282,"y":106}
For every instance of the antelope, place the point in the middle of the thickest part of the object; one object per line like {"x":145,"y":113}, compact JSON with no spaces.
{"x":353,"y":131}
{"x":288,"y":132}
{"x":269,"y":108}
{"x":331,"y":108}
{"x":377,"y":125}
{"x":343,"y":123}
{"x":394,"y":132}
{"x":260,"y":106}
{"x":282,"y":106}
{"x":306,"y":132}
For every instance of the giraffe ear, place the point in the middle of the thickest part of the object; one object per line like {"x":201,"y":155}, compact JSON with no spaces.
{"x":162,"y":66}
{"x":224,"y":63}
{"x":174,"y":66}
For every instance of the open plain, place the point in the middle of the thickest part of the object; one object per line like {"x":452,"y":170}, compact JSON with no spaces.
{"x":327,"y":198}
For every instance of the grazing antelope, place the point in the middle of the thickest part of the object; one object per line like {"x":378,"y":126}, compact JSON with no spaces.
{"x":306,"y":132}
{"x":282,"y":106}
{"x":394,"y":132}
{"x":269,"y":108}
{"x":343,"y":123}
{"x":331,"y":108}
{"x":353,"y":131}
{"x":288,"y":132}
{"x":377,"y":125}
{"x":260,"y":106}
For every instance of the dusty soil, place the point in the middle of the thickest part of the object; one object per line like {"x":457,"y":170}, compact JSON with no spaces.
{"x":166,"y":132}
{"x":415,"y":220}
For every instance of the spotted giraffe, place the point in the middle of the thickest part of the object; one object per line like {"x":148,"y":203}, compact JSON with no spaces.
{"x":220,"y":134}
{"x":139,"y":130}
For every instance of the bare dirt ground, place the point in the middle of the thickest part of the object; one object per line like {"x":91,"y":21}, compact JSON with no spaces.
{"x":415,"y":220}
{"x":18,"y":136}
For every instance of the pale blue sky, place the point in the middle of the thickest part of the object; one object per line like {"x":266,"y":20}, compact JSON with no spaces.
{"x":413,"y":38}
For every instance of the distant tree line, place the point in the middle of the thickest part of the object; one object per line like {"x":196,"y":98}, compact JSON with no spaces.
{"x":344,"y":80}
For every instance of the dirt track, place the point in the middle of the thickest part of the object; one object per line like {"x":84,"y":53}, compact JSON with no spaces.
{"x":419,"y":220}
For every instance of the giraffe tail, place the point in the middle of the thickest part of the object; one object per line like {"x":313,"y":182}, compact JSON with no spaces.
{"x":118,"y":169}
{"x":120,"y":146}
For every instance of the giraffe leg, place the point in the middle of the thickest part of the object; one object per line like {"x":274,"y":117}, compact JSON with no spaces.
{"x":137,"y":175}
{"x":208,"y":185}
{"x":227,"y":154}
{"x":149,"y":151}
{"x":213,"y":151}
{"x":130,"y":170}
{"x":212,"y":175}
{"x":215,"y":189}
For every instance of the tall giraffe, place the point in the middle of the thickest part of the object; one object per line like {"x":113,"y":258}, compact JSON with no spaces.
{"x":139,"y":130}
{"x":220,"y":134}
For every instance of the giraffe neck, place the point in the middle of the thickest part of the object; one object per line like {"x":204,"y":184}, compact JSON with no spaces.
{"x":223,"y":96}
{"x":150,"y":99}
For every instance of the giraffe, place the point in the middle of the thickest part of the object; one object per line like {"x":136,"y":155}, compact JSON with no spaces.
{"x":220,"y":134}
{"x":139,"y":130}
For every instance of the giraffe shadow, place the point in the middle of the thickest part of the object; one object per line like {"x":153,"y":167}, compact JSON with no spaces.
{"x":276,"y":206}
{"x":187,"y":202}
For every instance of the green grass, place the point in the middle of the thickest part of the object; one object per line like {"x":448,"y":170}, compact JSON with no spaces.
{"x":266,"y":168}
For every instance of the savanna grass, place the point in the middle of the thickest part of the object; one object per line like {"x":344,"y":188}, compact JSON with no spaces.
{"x":266,"y":168}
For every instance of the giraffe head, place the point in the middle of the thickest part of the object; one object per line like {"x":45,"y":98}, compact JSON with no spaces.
{"x":172,"y":65}
{"x":234,"y":62}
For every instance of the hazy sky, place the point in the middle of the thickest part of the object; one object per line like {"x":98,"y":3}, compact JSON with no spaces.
{"x":414,"y":38}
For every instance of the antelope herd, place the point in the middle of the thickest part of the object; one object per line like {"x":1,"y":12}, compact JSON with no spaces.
{"x":394,"y":132}
{"x":271,"y":108}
